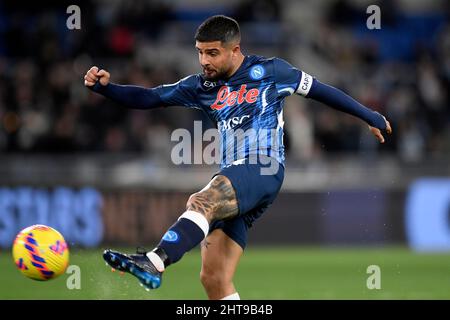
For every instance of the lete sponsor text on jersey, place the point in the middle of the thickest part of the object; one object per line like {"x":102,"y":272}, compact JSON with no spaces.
{"x":226,"y":98}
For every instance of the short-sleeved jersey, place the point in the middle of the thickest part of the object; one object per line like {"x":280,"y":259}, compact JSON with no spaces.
{"x":247,"y":108}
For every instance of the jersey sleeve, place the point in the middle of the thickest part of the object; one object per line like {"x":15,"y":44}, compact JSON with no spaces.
{"x":181,"y":93}
{"x":290,"y":80}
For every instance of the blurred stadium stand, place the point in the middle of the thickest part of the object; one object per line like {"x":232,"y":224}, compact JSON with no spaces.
{"x":54,"y":132}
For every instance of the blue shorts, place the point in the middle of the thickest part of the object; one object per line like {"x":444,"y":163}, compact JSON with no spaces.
{"x":256,"y":187}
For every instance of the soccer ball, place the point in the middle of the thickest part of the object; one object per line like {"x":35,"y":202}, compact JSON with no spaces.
{"x":40,"y":252}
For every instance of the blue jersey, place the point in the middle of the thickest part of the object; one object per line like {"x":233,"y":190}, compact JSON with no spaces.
{"x":247,"y":108}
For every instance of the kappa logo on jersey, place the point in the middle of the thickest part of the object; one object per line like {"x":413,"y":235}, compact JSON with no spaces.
{"x":226,"y":98}
{"x":257,"y":72}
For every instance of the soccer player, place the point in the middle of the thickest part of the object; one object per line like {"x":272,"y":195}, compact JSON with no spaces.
{"x":238,"y":92}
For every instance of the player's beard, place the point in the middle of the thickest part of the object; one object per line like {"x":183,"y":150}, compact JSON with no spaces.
{"x":215,"y":75}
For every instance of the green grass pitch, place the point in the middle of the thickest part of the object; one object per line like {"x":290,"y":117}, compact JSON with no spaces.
{"x":264,"y":273}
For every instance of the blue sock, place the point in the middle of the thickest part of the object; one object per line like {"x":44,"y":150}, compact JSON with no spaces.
{"x":185,"y":234}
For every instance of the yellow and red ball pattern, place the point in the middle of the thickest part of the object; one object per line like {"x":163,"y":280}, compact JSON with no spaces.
{"x":40,"y":252}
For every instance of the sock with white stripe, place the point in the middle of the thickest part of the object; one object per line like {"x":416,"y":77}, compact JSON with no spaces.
{"x":185,"y":234}
{"x":234,"y":296}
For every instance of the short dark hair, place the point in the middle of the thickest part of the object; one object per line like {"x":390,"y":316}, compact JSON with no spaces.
{"x":218,"y":28}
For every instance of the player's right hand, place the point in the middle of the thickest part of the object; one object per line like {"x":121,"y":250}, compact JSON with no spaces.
{"x":93,"y":75}
{"x":377,"y":132}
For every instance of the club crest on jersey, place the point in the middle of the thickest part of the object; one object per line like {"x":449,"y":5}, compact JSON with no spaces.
{"x":170,"y":236}
{"x":257,"y":72}
{"x":225,"y":98}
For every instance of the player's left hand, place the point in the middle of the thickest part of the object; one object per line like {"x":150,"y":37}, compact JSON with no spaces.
{"x":377,"y":132}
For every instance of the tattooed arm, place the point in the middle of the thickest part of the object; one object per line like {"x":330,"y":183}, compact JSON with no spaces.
{"x":216,"y":201}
